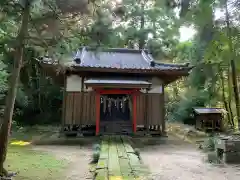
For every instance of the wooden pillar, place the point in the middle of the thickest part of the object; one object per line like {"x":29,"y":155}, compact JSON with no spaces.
{"x":134,"y":113}
{"x":63,"y":105}
{"x":147,"y":112}
{"x":97,"y":113}
{"x":163,"y":114}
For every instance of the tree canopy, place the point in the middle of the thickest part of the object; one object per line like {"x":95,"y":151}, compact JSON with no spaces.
{"x":56,"y":28}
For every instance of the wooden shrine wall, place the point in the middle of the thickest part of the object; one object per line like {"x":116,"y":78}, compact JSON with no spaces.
{"x":80,"y":108}
{"x":150,"y":109}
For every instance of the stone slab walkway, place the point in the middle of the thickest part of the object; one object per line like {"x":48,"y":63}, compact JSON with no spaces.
{"x":118,"y":160}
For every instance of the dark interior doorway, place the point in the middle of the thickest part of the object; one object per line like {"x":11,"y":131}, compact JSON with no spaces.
{"x":115,"y":107}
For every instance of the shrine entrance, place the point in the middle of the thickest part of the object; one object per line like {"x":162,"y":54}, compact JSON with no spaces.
{"x":115,"y":107}
{"x":115,"y":114}
{"x":115,"y":111}
{"x":116,"y":104}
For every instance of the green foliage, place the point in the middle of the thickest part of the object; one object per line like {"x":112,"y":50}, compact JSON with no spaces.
{"x":137,"y":153}
{"x":209,"y":143}
{"x":208,"y":146}
{"x":193,"y":98}
{"x":57,"y":30}
{"x":210,"y":53}
{"x":96,"y":153}
{"x":96,"y":147}
{"x":200,"y":83}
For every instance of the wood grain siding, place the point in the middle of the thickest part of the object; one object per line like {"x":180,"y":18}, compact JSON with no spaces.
{"x":155,"y":109}
{"x":152,"y":111}
{"x":141,"y":98}
{"x":80,"y":108}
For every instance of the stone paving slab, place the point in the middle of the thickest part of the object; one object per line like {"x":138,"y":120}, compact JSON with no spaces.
{"x":118,"y":160}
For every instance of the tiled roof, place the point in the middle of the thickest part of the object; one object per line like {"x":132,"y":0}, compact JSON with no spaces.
{"x":120,"y":59}
{"x":116,"y":81}
{"x":209,"y":110}
{"x":170,"y":66}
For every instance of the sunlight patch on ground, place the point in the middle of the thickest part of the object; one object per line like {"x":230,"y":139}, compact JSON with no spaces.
{"x":121,"y":178}
{"x":115,"y":178}
{"x":20,"y":143}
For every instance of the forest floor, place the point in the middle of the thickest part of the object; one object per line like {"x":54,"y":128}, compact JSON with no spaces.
{"x":30,"y":164}
{"x":171,"y":159}
{"x":47,"y":162}
{"x":78,"y":159}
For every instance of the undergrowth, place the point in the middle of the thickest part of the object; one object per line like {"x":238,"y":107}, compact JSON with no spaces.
{"x":209,"y":147}
{"x":96,"y":153}
{"x":209,"y":144}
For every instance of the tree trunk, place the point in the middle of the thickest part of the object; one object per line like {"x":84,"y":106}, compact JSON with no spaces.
{"x":230,"y":95}
{"x":235,"y":90}
{"x":13,"y":83}
{"x":233,"y":65}
{"x":142,"y":24}
{"x":224,"y":97}
{"x":175,"y":90}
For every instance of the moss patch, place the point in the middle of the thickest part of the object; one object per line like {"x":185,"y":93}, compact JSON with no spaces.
{"x":33,"y":164}
{"x":186,"y":132}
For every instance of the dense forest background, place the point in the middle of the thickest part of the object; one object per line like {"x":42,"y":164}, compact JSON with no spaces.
{"x":56,"y":28}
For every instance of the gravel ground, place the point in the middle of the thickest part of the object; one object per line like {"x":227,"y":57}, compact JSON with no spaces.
{"x":177,"y":160}
{"x":78,"y":158}
{"x":172,"y":160}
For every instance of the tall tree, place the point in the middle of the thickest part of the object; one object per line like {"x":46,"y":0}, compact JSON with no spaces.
{"x":13,"y":84}
{"x":232,"y":62}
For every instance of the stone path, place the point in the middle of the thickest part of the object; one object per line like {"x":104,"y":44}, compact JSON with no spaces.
{"x":118,"y":160}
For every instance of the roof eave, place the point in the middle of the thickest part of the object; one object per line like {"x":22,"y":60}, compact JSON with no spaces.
{"x":183,"y":71}
{"x":113,"y":85}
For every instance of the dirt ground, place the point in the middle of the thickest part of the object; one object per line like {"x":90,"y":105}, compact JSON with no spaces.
{"x":78,"y":158}
{"x":177,"y":160}
{"x":172,"y":160}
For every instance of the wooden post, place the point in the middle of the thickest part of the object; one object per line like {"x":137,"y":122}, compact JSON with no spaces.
{"x":163,"y":114}
{"x":64,"y":105}
{"x":147,"y":109}
{"x":134,"y":113}
{"x":97,"y":113}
